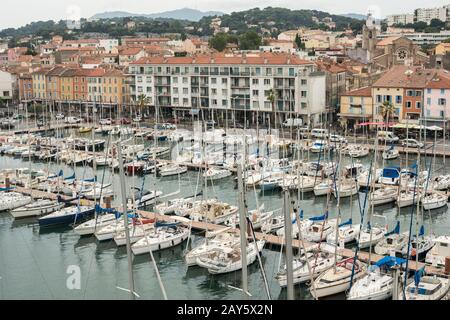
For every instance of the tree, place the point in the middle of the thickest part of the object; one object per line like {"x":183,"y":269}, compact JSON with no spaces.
{"x":219,"y":41}
{"x":249,"y":40}
{"x":272,"y":97}
{"x":298,"y":42}
{"x":142,"y":101}
{"x":436,"y":23}
{"x":386,"y":110}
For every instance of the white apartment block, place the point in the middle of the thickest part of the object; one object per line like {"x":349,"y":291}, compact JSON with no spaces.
{"x":232,"y":82}
{"x":400,"y":19}
{"x":428,"y":14}
{"x":108,"y":44}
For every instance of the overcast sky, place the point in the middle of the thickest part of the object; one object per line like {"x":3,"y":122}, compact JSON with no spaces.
{"x":16,"y":13}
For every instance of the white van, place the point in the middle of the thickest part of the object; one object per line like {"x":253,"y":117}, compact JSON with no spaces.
{"x":72,"y":120}
{"x":319,"y":133}
{"x":387,"y":136}
{"x":297,"y":122}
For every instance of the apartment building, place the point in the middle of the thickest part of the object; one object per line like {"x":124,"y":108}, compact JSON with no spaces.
{"x":356,"y":106}
{"x":428,"y":14}
{"x":400,"y":19}
{"x":403,"y":87}
{"x":437,"y":101}
{"x":240,"y":83}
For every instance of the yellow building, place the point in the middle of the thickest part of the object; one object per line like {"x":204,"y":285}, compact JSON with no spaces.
{"x":67,"y":84}
{"x":357,"y":106}
{"x":442,"y":48}
{"x":39,"y":84}
{"x":113,"y":87}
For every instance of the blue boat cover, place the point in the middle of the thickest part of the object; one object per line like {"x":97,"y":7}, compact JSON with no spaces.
{"x":91,"y":180}
{"x":347,"y":223}
{"x":71,"y":177}
{"x":395,"y":231}
{"x":391,"y":172}
{"x":320,"y":218}
{"x":390,"y":261}
{"x":159,"y":224}
{"x":422,"y":231}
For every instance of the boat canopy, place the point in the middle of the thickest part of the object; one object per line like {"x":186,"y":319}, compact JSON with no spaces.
{"x":6,"y":189}
{"x":319,"y":218}
{"x":390,"y":261}
{"x":391,"y":172}
{"x":395,"y":231}
{"x":71,"y":177}
{"x":346,"y":223}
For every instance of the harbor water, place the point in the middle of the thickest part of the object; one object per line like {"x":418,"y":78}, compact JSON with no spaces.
{"x":37,"y":263}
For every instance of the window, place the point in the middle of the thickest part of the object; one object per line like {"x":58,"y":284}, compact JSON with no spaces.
{"x":224,"y":80}
{"x":185,"y":101}
{"x":175,"y":90}
{"x":213,"y":92}
{"x":418,"y":104}
{"x":351,"y":99}
{"x":303,"y":94}
{"x":428,"y":101}
{"x":175,"y":79}
{"x":408,"y":104}
{"x":185,"y":80}
{"x":213,"y":80}
{"x":398,"y":99}
{"x":442,"y":91}
{"x":224,"y":103}
{"x":280,"y":71}
{"x":139,"y":79}
{"x":269,"y":71}
{"x":442,"y":115}
{"x":176,"y":101}
{"x":442,"y":102}
{"x":303,"y":105}
{"x":214,"y":102}
{"x":185,"y":91}
{"x":266,"y":82}
{"x":224,"y":92}
{"x":428,"y":90}
{"x":418,"y":93}
{"x":303,"y":82}
{"x":378,"y":98}
{"x":291,"y":72}
{"x":409,"y":93}
{"x":255,"y":81}
{"x":255,"y":92}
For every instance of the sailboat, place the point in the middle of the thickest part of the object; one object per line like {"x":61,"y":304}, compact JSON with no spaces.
{"x":425,"y":287}
{"x":375,"y":285}
{"x":228,"y":259}
{"x":337,"y":279}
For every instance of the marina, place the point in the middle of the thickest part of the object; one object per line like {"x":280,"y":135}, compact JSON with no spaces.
{"x":212,"y":179}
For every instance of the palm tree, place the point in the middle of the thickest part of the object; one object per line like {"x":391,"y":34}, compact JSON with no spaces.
{"x":386,"y":110}
{"x":142,"y":101}
{"x":272,"y":96}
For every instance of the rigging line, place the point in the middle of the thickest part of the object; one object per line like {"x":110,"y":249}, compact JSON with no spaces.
{"x":410,"y":234}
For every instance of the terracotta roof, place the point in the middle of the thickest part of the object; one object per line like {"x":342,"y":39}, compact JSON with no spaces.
{"x":439,"y":82}
{"x":262,"y":59}
{"x":387,"y":41}
{"x":81,"y":41}
{"x":98,"y":72}
{"x":405,"y":77}
{"x":130,"y":51}
{"x":361,"y":92}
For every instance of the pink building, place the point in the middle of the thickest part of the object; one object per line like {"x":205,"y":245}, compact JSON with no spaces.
{"x":437,"y":100}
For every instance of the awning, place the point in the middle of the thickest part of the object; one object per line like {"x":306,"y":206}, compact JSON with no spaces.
{"x":434,"y":128}
{"x":408,"y":126}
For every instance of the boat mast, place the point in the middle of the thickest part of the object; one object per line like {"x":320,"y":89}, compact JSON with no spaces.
{"x":242,"y":230}
{"x":288,"y":238}
{"x":125,"y":220}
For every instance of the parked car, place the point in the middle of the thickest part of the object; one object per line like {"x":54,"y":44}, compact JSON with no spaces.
{"x":60,"y":116}
{"x":337,"y":138}
{"x":319,"y":133}
{"x":387,"y":136}
{"x":105,"y":122}
{"x":303,"y":132}
{"x":167,"y":126}
{"x":412,"y":143}
{"x":297,"y":122}
{"x":72,"y":120}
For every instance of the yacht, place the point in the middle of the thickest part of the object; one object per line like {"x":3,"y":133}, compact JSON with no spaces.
{"x":37,"y":208}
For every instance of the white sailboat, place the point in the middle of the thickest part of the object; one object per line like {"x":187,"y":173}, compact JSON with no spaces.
{"x":37,"y":208}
